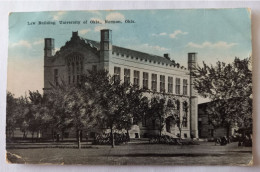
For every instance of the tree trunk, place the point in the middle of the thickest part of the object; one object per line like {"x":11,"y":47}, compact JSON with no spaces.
{"x":112,"y":138}
{"x":127,"y":136}
{"x":79,"y":144}
{"x":180,"y":132}
{"x":37,"y":137}
{"x":228,"y":128}
{"x":52,"y":134}
{"x":24,"y":135}
{"x":62,"y":135}
{"x":160,"y":131}
{"x":32,"y":136}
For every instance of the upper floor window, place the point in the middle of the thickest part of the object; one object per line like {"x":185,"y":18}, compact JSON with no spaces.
{"x":56,"y":77}
{"x":117,"y":74}
{"x":185,"y":87}
{"x":145,"y":80}
{"x":178,"y":86}
{"x":94,"y":68}
{"x":75,"y":67}
{"x":162,"y":83}
{"x":154,"y":82}
{"x":136,"y":77}
{"x":127,"y":76}
{"x":170,"y":84}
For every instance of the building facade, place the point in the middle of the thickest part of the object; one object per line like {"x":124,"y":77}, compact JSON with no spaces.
{"x":156,"y":73}
{"x":206,"y":129}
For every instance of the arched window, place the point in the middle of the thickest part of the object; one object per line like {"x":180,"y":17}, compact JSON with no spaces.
{"x":178,"y":105}
{"x":75,"y":67}
{"x":185,"y":114}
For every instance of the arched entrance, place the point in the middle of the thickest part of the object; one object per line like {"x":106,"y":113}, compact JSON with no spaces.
{"x":169,"y":122}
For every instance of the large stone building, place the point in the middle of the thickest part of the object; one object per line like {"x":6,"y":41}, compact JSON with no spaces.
{"x":156,"y":73}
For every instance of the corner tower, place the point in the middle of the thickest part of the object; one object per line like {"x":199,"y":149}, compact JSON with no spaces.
{"x":192,"y":65}
{"x":48,"y":54}
{"x":105,"y":48}
{"x":48,"y":47}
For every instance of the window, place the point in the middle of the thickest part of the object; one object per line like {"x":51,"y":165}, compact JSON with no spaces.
{"x":81,"y":64}
{"x":127,"y":76}
{"x":77,"y":65}
{"x":56,"y":77}
{"x":154,"y":82}
{"x":178,"y":86}
{"x":145,"y":80}
{"x":170,"y":84}
{"x":75,"y":68}
{"x":117,"y":74}
{"x":162,"y":83}
{"x":185,"y":113}
{"x":69,"y":73}
{"x":136,"y":77}
{"x":184,"y":121}
{"x":185,"y":87}
{"x":94,"y":68}
{"x":73,"y":72}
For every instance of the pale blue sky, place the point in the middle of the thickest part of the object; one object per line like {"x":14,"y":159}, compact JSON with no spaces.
{"x":215,"y":34}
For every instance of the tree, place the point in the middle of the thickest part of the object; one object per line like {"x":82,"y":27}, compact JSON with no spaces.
{"x":118,"y":102}
{"x":158,"y":111}
{"x":36,"y":113}
{"x":229,"y":86}
{"x":72,"y":106}
{"x":11,"y":104}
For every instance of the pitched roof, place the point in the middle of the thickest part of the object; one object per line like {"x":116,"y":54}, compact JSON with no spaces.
{"x":134,"y":53}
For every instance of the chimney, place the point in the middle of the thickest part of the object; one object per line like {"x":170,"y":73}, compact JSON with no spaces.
{"x":48,"y":47}
{"x":167,"y":56}
{"x":105,"y":48}
{"x":75,"y":34}
{"x":106,"y":40}
{"x":192,"y":60}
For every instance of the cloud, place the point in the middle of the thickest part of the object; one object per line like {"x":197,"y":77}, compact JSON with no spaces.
{"x":40,"y":41}
{"x":177,"y":32}
{"x":98,"y":19}
{"x":206,"y":44}
{"x":98,"y":28}
{"x":84,"y":31}
{"x":22,"y":43}
{"x":58,"y":15}
{"x":155,"y":47}
{"x":115,"y":16}
{"x":95,"y":12}
{"x":172,"y":35}
{"x":152,"y":49}
{"x":160,"y":34}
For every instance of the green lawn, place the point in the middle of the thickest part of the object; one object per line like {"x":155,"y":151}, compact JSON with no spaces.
{"x":133,"y":154}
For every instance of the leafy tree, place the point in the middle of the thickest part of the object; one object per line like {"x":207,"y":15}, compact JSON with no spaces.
{"x":36,"y":114}
{"x":21,"y":121}
{"x":11,"y":104}
{"x":72,"y":106}
{"x":229,"y":86}
{"x":119,"y":103}
{"x":158,"y":111}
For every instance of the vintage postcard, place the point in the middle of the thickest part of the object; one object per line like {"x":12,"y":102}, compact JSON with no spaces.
{"x":133,"y":87}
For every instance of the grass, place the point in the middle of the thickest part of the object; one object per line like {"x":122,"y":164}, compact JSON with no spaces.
{"x":134,"y":154}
